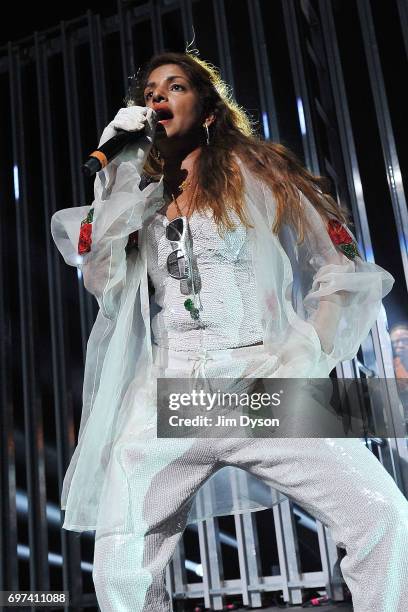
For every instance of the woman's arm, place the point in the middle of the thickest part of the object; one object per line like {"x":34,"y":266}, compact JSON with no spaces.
{"x":342,"y":292}
{"x":94,"y":238}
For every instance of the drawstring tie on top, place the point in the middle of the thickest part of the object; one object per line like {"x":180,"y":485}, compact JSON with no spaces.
{"x":199,"y":365}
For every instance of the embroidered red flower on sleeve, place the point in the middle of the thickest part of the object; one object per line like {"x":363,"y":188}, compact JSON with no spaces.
{"x":342,"y":238}
{"x":85,"y":233}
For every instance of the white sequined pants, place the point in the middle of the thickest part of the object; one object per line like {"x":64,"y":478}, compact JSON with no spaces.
{"x":337,"y":480}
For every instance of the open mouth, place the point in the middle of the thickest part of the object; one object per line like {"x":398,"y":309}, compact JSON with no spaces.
{"x":164,"y":115}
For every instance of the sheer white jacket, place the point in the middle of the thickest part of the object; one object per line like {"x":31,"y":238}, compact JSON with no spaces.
{"x":317,"y":306}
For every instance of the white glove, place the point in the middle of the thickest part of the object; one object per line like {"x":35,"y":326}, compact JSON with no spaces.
{"x":132,"y":119}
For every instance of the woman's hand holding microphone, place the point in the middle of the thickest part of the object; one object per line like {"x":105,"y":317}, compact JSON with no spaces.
{"x":131,"y":119}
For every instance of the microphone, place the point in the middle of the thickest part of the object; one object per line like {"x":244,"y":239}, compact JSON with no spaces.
{"x":99,"y":158}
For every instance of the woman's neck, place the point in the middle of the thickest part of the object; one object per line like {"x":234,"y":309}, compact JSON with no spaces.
{"x":180,"y":168}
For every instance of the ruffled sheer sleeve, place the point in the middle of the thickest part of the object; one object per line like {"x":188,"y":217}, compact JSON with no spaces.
{"x":340,"y":292}
{"x":94,"y":238}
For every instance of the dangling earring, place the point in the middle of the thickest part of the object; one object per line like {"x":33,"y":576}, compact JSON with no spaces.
{"x":207,"y":133}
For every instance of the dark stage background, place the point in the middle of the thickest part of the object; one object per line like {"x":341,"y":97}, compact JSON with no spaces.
{"x":327,"y":78}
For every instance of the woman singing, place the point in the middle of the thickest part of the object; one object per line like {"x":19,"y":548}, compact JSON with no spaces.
{"x":213,"y":254}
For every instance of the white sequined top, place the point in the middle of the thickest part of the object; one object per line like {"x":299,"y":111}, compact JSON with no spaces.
{"x":225,"y":282}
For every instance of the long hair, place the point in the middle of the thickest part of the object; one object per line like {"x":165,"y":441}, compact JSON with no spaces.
{"x":220,"y":181}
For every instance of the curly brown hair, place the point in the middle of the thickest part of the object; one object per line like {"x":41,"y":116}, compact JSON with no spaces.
{"x":220,"y":181}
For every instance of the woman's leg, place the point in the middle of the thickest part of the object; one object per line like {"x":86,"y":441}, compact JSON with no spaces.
{"x":129,"y":569}
{"x":341,"y":483}
{"x":161,"y":480}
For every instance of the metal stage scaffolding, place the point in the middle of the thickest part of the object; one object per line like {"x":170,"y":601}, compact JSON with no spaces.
{"x":321,"y":77}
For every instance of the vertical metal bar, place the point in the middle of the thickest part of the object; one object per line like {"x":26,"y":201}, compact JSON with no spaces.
{"x":266,"y":94}
{"x":248,"y":545}
{"x":253,"y":558}
{"x":78,"y":194}
{"x":170,"y":583}
{"x":224,"y":52}
{"x":391,"y":161}
{"x":204,"y":556}
{"x":215,"y":567}
{"x":354,"y":182}
{"x":98,"y":71}
{"x":403,"y":13}
{"x":282,"y":553}
{"x":34,"y":447}
{"x":323,"y":98}
{"x":242,"y":550}
{"x":300,"y":85}
{"x":9,"y":579}
{"x":156,"y":23}
{"x":71,"y":572}
{"x":211,"y":559}
{"x":178,"y":576}
{"x":242,"y":559}
{"x":126,"y":42}
{"x":292,"y":551}
{"x":187,"y":19}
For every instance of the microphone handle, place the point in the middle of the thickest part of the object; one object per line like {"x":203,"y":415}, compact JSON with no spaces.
{"x":101,"y":157}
